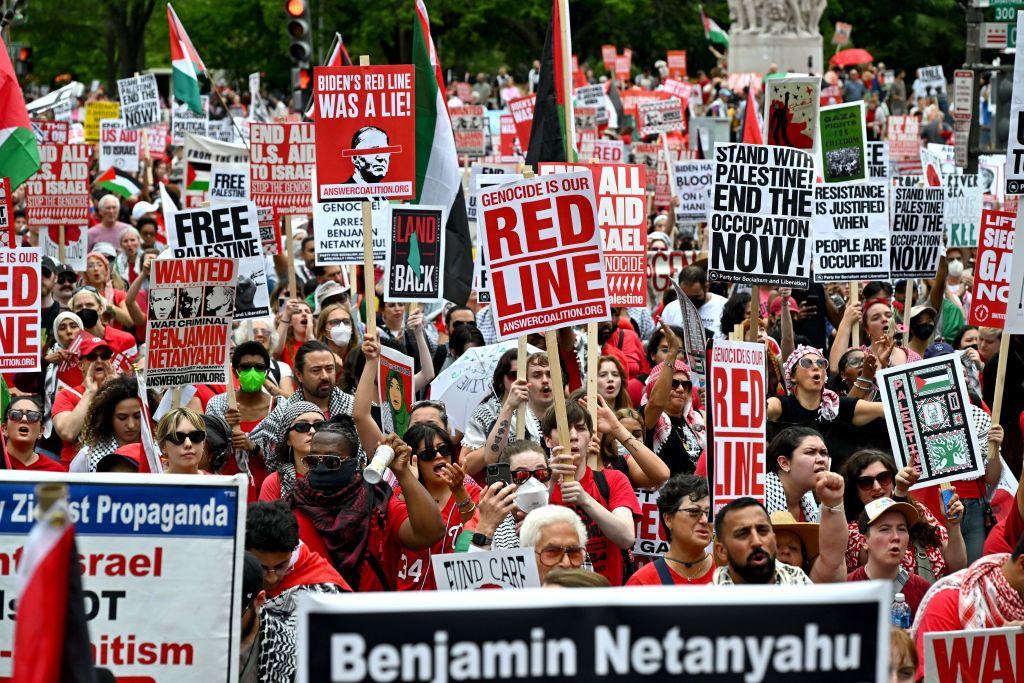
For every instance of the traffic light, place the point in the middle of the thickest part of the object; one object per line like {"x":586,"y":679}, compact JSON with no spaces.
{"x":1002,"y":94}
{"x":302,"y":80}
{"x":23,"y":63}
{"x":301,"y":47}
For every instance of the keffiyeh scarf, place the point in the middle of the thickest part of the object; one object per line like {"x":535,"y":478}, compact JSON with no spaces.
{"x":829,"y":408}
{"x":694,"y":420}
{"x":986,"y":600}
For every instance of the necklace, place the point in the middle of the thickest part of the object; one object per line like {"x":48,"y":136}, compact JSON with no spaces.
{"x":688,"y":565}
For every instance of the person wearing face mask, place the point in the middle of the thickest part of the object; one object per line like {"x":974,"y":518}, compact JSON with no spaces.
{"x":345,"y":518}
{"x":334,"y":328}
{"x":922,"y":328}
{"x":90,"y":306}
{"x":71,"y":405}
{"x":97,"y":275}
{"x":302,"y":419}
{"x":693,"y":280}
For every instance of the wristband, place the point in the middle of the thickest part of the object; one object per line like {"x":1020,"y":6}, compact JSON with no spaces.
{"x":837,"y":508}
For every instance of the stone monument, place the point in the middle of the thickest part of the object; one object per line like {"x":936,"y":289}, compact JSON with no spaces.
{"x":780,"y":32}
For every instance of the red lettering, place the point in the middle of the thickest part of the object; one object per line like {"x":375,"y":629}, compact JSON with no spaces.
{"x":586,"y":270}
{"x":576,"y":220}
{"x":719,"y":394}
{"x":552,"y":285}
{"x":954,"y":665}
{"x":501,"y":225}
{"x":998,"y":665}
{"x":537,"y":218}
{"x":740,"y":397}
{"x":501,"y":290}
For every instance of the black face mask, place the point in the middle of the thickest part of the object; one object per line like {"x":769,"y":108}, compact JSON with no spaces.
{"x":971,"y":346}
{"x":920,"y":330}
{"x":698,"y":301}
{"x":89,"y":318}
{"x":323,"y":479}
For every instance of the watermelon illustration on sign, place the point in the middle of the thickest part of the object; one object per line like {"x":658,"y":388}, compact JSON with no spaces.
{"x":72,"y":234}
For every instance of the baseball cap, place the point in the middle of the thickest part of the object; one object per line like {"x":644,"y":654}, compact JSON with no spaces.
{"x":919,"y":309}
{"x":252,"y":579}
{"x":90,"y":344}
{"x":877,"y":508}
{"x":776,"y":307}
{"x":49,"y":264}
{"x":142,"y":208}
{"x":783,"y":520}
{"x":129,"y":453}
{"x":324,"y":291}
{"x":939,"y":348}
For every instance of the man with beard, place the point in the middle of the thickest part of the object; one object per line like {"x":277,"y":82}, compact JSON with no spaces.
{"x":745,"y":545}
{"x":370,"y":167}
{"x":693,"y":280}
{"x":65,"y":285}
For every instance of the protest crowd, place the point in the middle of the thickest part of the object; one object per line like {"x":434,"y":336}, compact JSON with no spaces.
{"x":705,"y":329}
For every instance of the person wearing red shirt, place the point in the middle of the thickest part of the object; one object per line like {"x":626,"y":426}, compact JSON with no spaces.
{"x":1010,"y":527}
{"x":622,"y":338}
{"x":71,"y":405}
{"x":91,"y":307}
{"x":22,"y":423}
{"x":604,"y":500}
{"x":684,"y":507}
{"x":454,"y":494}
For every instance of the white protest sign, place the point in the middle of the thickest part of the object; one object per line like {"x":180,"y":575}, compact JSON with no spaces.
{"x":609,"y":151}
{"x":1014,"y":144}
{"x":877,"y":160}
{"x":504,"y":569}
{"x":184,"y":120}
{"x":930,"y":82}
{"x":850,"y":232}
{"x":76,"y":245}
{"x":119,"y":147}
{"x":20,"y":300}
{"x":140,"y":101}
{"x":693,"y":183}
{"x":487,"y":175}
{"x":650,"y":538}
{"x":916,"y":231}
{"x":1015,"y":298}
{"x":338,"y":229}
{"x":962,"y":214}
{"x":659,"y":116}
{"x":229,"y":183}
{"x":995,"y":656}
{"x":593,"y":96}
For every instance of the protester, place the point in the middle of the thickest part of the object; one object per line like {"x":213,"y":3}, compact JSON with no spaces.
{"x":334,"y":327}
{"x":484,"y":417}
{"x":622,"y":447}
{"x":180,"y":435}
{"x":558,"y":538}
{"x":536,"y":392}
{"x":109,"y":229}
{"x":301,"y":421}
{"x":684,"y":505}
{"x":574,"y":578}
{"x":71,"y":405}
{"x":745,"y":547}
{"x":611,"y":383}
{"x":22,"y":424}
{"x":500,"y":507}
{"x":693,"y":280}
{"x":91,"y":307}
{"x":114,"y":420}
{"x":294,"y":328}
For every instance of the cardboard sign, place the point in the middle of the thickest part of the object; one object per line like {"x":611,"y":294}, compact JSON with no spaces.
{"x":395,"y":390}
{"x":693,"y":181}
{"x":501,"y":569}
{"x":140,"y":101}
{"x":930,"y":82}
{"x":281,"y":161}
{"x":76,"y":245}
{"x":184,"y":121}
{"x":622,"y":215}
{"x":543,"y":251}
{"x":676,"y":62}
{"x":850,"y":230}
{"x":963,"y":210}
{"x":119,"y":147}
{"x":659,"y":116}
{"x":191,"y":305}
{"x":586,"y":122}
{"x":228,"y":231}
{"x":877,"y":160}
{"x":593,"y":96}
{"x":96,"y":112}
{"x":486,"y":175}
{"x":791,"y":112}
{"x":760,"y":215}
{"x":338,"y":229}
{"x":415,"y":256}
{"x":650,"y":539}
{"x":8,"y":236}
{"x":737,"y":421}
{"x":988,"y":655}
{"x":928,"y":417}
{"x":137,"y":536}
{"x":609,"y":151}
{"x":50,"y":132}
{"x":20,"y":302}
{"x":229,"y":183}
{"x":270,"y":230}
{"x":612,"y":634}
{"x":365,"y":120}
{"x":842,"y":152}
{"x":992,"y":266}
{"x":469,"y":124}
{"x":200,"y":155}
{"x":58,"y":194}
{"x":916,"y":232}
{"x":904,"y":137}
{"x":521,"y":110}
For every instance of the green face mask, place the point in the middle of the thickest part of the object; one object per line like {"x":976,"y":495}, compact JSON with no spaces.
{"x":252,"y":380}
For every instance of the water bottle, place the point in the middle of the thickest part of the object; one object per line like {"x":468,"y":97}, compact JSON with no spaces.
{"x":899,"y":613}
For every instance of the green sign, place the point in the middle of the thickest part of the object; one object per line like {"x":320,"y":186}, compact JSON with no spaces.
{"x":1007,"y":14}
{"x":843,"y":141}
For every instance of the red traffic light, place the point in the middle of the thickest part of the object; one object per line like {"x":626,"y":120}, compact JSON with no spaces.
{"x":25,"y":54}
{"x":305,"y":77}
{"x":295,"y":8}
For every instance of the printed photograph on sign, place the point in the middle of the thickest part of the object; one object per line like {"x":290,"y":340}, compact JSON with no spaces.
{"x":659,"y":116}
{"x":415,"y":254}
{"x":843,"y":142}
{"x":469,"y":124}
{"x":791,"y":112}
{"x":365,"y":122}
{"x":20,"y":299}
{"x":394,"y":387}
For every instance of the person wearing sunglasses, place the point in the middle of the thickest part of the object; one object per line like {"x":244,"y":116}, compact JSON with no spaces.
{"x":302,"y":419}
{"x":434,"y":455}
{"x":71,"y":405}
{"x":65,"y":282}
{"x":684,"y":509}
{"x":114,"y":420}
{"x":180,"y":435}
{"x":22,"y":424}
{"x":98,"y":276}
{"x":558,"y":537}
{"x":935,"y":550}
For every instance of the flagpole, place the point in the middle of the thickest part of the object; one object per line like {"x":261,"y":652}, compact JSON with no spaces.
{"x":228,"y":110}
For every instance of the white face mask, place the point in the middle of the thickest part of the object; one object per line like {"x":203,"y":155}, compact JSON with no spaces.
{"x":956,"y":268}
{"x":341,"y":334}
{"x":531,"y":495}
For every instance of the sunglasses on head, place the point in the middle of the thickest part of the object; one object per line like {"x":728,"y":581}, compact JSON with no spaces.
{"x":808,"y":363}
{"x":330,"y":462}
{"x":867,"y":483}
{"x":30,"y":416}
{"x":304,"y":427}
{"x":102,"y":354}
{"x":684,"y":383}
{"x":541,"y":474}
{"x":178,"y":438}
{"x":429,"y":453}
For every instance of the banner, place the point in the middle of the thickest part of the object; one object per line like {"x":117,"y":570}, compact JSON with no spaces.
{"x":282,"y":157}
{"x":8,"y":236}
{"x":838,"y":633}
{"x":395,"y":390}
{"x":992,"y":266}
{"x":20,"y":301}
{"x":650,"y":538}
{"x":843,"y":141}
{"x":694,"y":181}
{"x":850,"y":232}
{"x":229,"y":183}
{"x":877,"y":160}
{"x":469,"y":124}
{"x":338,"y":229}
{"x":500,"y":569}
{"x":904,"y":138}
{"x":791,"y":112}
{"x":962,"y":211}
{"x":76,"y":245}
{"x":622,"y":216}
{"x":915,"y":240}
{"x":140,"y":101}
{"x":119,"y":147}
{"x":663,"y":267}
{"x":659,"y":116}
{"x":143,"y":543}
{"x":676,"y":62}
{"x":760,"y":215}
{"x":415,"y":255}
{"x":988,"y":655}
{"x":200,"y":154}
{"x":929,"y":421}
{"x":96,"y":112}
{"x":50,"y":132}
{"x":228,"y":231}
{"x":543,"y":250}
{"x":186,"y":122}
{"x":58,"y":194}
{"x":365,"y":121}
{"x":191,"y":304}
{"x":736,"y":421}
{"x":521,"y":110}
{"x":223,"y":130}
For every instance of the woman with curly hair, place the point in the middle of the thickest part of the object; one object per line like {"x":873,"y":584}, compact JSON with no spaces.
{"x":114,"y":420}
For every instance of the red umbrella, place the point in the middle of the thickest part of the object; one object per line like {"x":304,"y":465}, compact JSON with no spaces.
{"x":854,"y":55}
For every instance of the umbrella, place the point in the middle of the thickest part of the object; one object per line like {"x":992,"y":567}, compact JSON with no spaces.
{"x":854,"y":55}
{"x":466,"y":382}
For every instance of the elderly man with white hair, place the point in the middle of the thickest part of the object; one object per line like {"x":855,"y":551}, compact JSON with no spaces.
{"x":557,"y":536}
{"x":109,"y":229}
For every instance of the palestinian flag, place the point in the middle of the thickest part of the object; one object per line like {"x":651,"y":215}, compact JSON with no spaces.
{"x":19,"y":154}
{"x":713,"y":33}
{"x":438,"y":177}
{"x":197,"y":177}
{"x":186,"y":64}
{"x":937,"y":379}
{"x":752,"y":121}
{"x":548,"y":135}
{"x":51,"y":638}
{"x":117,"y":182}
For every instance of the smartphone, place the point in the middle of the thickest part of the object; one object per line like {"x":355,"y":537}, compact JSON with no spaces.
{"x":499,"y":471}
{"x":946,"y":496}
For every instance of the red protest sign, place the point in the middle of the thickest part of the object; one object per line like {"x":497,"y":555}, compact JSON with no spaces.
{"x":631,"y":97}
{"x":992,"y":269}
{"x":281,"y":160}
{"x":521,"y":110}
{"x":8,"y":238}
{"x":664,"y":266}
{"x":155,"y":141}
{"x":659,"y":116}
{"x":543,"y":251}
{"x":974,"y":656}
{"x":650,"y":539}
{"x":904,"y":138}
{"x":508,"y":136}
{"x":50,"y":132}
{"x":623,"y":64}
{"x":58,"y":194}
{"x":676,"y":63}
{"x":469,"y":123}
{"x":609,"y":151}
{"x":270,"y":230}
{"x":365,"y":120}
{"x":608,"y":55}
{"x":622,"y":215}
{"x":680,"y":89}
{"x":20,"y":299}
{"x":736,"y":440}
